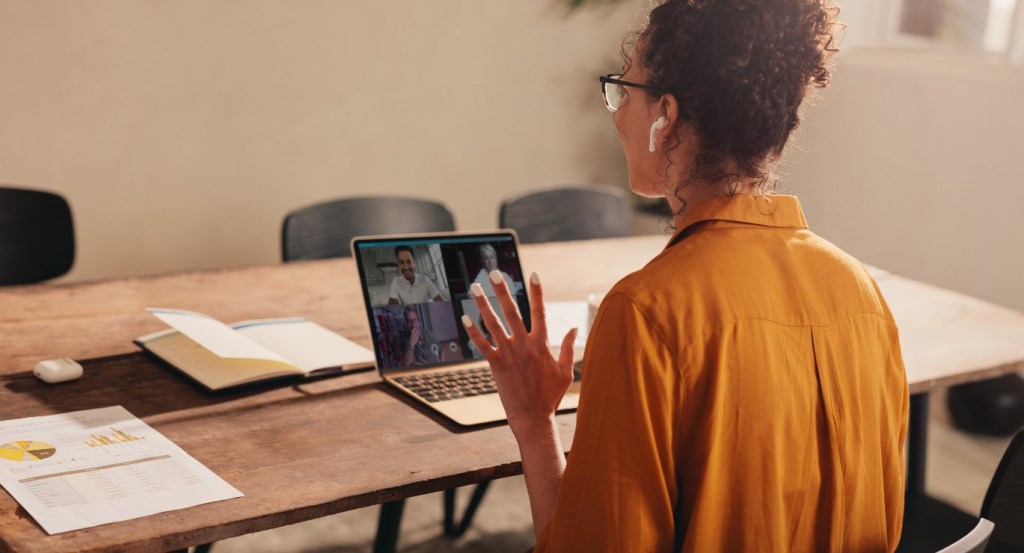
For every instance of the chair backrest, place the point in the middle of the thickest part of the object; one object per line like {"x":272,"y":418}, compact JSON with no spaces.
{"x":1004,"y":501}
{"x":975,"y":540}
{"x":325,"y":229}
{"x":568,"y":213}
{"x":37,"y":236}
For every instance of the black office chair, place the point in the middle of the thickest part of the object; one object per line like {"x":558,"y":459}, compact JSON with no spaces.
{"x":930,"y":524}
{"x":1004,"y":500}
{"x":974,"y":542}
{"x":325,"y":229}
{"x":37,"y":236}
{"x":571,"y":212}
{"x":992,"y":407}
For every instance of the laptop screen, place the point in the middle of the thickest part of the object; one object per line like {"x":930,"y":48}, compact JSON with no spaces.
{"x":416,"y":289}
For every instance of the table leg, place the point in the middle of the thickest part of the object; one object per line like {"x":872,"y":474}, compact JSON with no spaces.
{"x":453,"y":529}
{"x":449,"y":511}
{"x":205,"y":548}
{"x":917,"y":445}
{"x":388,"y":526}
{"x":929,"y":524}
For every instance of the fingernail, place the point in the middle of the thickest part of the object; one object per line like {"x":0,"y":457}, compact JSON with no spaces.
{"x":476,"y":289}
{"x":495,"y":277}
{"x":535,"y":278}
{"x":467,"y":322}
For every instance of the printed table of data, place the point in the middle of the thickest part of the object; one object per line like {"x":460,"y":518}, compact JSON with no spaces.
{"x":86,"y":468}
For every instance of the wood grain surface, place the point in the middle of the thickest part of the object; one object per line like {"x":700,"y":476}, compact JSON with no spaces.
{"x":306,"y":449}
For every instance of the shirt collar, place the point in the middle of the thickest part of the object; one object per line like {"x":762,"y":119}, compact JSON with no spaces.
{"x":769,"y":211}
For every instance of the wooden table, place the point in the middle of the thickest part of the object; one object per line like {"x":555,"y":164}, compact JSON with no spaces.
{"x":312,"y":449}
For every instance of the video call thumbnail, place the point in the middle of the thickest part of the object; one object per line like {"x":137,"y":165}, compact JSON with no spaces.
{"x":417,"y":335}
{"x":419,"y":291}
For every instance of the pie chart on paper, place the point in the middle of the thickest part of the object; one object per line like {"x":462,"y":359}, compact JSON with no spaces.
{"x":26,"y":450}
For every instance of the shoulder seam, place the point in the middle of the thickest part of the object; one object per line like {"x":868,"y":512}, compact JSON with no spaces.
{"x":658,"y":333}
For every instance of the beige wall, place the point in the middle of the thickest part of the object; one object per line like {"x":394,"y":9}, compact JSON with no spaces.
{"x":915,"y":163}
{"x":182,"y":131}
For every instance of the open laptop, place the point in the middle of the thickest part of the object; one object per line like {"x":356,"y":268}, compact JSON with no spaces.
{"x":416,"y":289}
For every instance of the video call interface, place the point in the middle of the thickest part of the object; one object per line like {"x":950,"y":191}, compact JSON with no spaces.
{"x":418,"y":291}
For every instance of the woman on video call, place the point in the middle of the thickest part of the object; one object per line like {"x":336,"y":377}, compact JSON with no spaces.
{"x":489,"y":264}
{"x":744,"y":391}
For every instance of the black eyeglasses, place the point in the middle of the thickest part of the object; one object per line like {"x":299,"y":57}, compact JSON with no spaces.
{"x":614,"y":90}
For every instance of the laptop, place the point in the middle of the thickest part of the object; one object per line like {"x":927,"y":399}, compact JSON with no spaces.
{"x":416,"y":290}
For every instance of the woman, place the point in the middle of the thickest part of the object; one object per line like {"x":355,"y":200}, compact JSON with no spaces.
{"x":489,"y":264}
{"x":744,"y":391}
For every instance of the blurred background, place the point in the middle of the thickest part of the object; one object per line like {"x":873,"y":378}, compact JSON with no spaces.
{"x":182,"y":132}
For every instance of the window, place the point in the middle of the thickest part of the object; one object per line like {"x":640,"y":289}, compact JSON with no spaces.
{"x":993,"y":26}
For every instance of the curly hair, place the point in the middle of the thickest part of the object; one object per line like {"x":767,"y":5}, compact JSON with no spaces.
{"x":739,"y":70}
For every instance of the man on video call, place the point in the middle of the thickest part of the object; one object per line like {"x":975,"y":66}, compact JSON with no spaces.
{"x":411,"y":287}
{"x":419,"y":347}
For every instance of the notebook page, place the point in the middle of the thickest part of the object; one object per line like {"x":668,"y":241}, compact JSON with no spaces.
{"x":306,"y":344}
{"x":214,"y":335}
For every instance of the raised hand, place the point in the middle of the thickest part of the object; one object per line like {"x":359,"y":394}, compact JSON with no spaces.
{"x":530,"y":381}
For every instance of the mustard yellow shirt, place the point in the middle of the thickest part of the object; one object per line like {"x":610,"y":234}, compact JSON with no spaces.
{"x":744,"y":391}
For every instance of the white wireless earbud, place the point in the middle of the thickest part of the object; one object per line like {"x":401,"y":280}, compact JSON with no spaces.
{"x":658,"y":124}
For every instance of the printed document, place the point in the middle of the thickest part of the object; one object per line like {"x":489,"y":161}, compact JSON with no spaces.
{"x":87,"y":468}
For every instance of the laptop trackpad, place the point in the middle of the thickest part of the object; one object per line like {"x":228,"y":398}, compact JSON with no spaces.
{"x":487,"y":408}
{"x":472,"y":410}
{"x":572,"y":397}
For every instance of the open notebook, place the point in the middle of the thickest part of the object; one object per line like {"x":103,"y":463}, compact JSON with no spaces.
{"x":218,"y":356}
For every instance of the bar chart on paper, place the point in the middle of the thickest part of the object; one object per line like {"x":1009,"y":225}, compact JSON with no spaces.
{"x":116,"y":437}
{"x":86,"y":468}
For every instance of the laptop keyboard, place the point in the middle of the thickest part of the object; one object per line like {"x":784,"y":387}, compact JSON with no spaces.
{"x":436,"y":387}
{"x":444,"y":386}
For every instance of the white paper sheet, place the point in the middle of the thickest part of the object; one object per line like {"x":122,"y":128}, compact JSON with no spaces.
{"x":562,"y":316}
{"x":87,"y":468}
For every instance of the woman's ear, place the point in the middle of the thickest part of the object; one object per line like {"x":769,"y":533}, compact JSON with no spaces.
{"x":669,"y":109}
{"x":665,"y":125}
